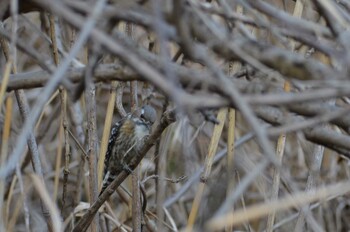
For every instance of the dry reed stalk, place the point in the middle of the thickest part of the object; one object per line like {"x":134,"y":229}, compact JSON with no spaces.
{"x":246,"y":224}
{"x":208,"y":165}
{"x":4,"y":153}
{"x":4,"y":82}
{"x":45,"y":196}
{"x":42,"y":114}
{"x":162,"y":150}
{"x":232,"y":69}
{"x":17,"y":209}
{"x":106,"y":129}
{"x":281,"y":142}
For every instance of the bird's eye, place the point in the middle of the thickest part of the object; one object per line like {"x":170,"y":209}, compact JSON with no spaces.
{"x":143,"y":117}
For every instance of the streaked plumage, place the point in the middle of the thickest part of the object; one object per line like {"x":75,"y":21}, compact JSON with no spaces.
{"x":125,"y":139}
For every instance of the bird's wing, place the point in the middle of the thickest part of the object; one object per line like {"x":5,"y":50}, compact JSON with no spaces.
{"x":112,"y":138}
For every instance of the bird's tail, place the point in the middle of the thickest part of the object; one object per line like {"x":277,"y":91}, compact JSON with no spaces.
{"x":109,"y":177}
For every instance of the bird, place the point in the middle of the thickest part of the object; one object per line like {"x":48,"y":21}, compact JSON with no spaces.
{"x":125,"y":139}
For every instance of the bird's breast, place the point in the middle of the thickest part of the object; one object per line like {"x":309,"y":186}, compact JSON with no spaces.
{"x":141,"y":131}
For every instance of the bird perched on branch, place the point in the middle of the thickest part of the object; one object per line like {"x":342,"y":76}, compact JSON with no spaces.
{"x":125,"y":140}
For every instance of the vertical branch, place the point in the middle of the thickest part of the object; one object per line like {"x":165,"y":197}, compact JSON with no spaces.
{"x":136,"y":201}
{"x":63,"y":95}
{"x":231,"y":149}
{"x":129,"y":30}
{"x":160,"y":169}
{"x":119,"y":99}
{"x":133,"y":96}
{"x":92,"y":139}
{"x":53,"y":40}
{"x":58,"y":162}
{"x":67,"y":153}
{"x":161,"y":172}
{"x":136,"y":195}
{"x":76,"y":117}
